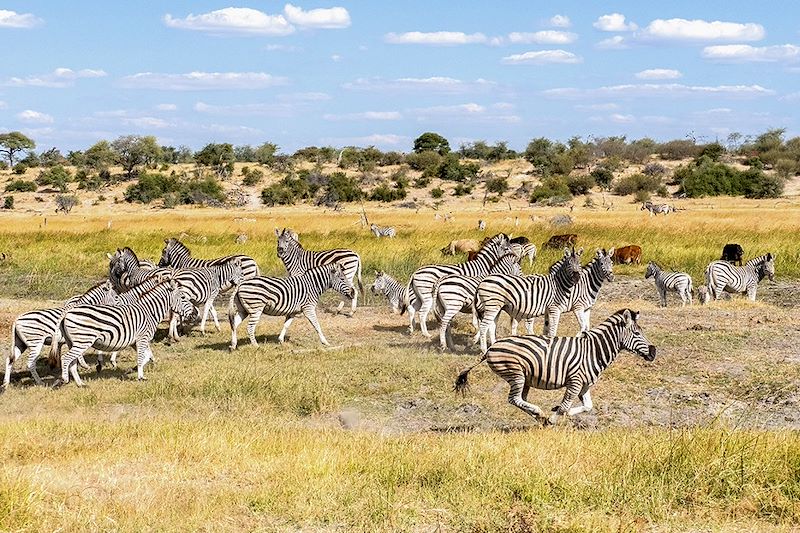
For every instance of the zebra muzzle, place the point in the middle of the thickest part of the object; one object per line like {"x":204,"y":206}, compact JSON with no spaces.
{"x":651,"y":353}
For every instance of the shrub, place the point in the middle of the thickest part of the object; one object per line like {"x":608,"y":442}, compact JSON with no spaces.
{"x":678,"y":149}
{"x":342,"y":188}
{"x":552,"y":188}
{"x":641,"y":196}
{"x":603,"y":177}
{"x":422,"y":181}
{"x":451,"y":169}
{"x":20,"y":168}
{"x":497,"y":185}
{"x":785,"y":168}
{"x":86,"y":181}
{"x":21,"y":186}
{"x":65,"y":202}
{"x":3,"y":165}
{"x":437,"y":192}
{"x":206,"y":191}
{"x":760,"y":185}
{"x":386,"y":193}
{"x":712,"y":151}
{"x":278,"y":194}
{"x":56,"y":176}
{"x":392,"y":158}
{"x":580,"y":184}
{"x":252,"y":177}
{"x":423,"y":161}
{"x":636,"y":182}
{"x":150,"y":187}
{"x":8,"y":202}
{"x":654,"y":169}
{"x":462,"y":189}
{"x":714,"y":179}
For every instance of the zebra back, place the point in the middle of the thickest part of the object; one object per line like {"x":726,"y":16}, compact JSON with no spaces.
{"x":175,"y":254}
{"x":298,"y":260}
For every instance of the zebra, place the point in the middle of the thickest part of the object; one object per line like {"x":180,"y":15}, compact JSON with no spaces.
{"x":524,"y":250}
{"x":176,"y":255}
{"x":393,"y":290}
{"x":286,"y":297}
{"x":125,"y":270}
{"x":456,"y":293}
{"x":556,"y":362}
{"x":722,"y":276}
{"x":481,"y":225}
{"x":584,"y":295}
{"x":112,"y":328}
{"x":34,"y":329}
{"x":526,"y":297}
{"x":655,"y":209}
{"x":379,"y":231}
{"x":679,"y":282}
{"x":297,"y":261}
{"x":424,"y":279}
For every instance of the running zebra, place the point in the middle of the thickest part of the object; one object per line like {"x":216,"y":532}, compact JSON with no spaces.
{"x":34,"y":329}
{"x":526,"y":297}
{"x":424,"y":279}
{"x":286,"y":297}
{"x":379,"y":231}
{"x":298,"y":260}
{"x":584,"y":295}
{"x":456,"y":293}
{"x":722,"y":276}
{"x":549,"y":363}
{"x":112,"y":328}
{"x":176,"y":255}
{"x":393,"y":290}
{"x":655,"y":209}
{"x":679,"y":282}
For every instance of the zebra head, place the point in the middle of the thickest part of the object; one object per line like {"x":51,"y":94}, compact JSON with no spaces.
{"x":286,"y":240}
{"x":572,"y":263}
{"x":768,"y":267}
{"x":341,"y":283}
{"x":632,"y":338}
{"x":606,"y":263}
{"x":168,"y":253}
{"x":230,"y":273}
{"x":651,"y":270}
{"x":180,"y":304}
{"x":380,"y":284}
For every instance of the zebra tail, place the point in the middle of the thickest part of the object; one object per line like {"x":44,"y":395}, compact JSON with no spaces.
{"x":403,"y":304}
{"x":462,"y":381}
{"x":360,"y":284}
{"x":232,"y":306}
{"x":438,"y":306}
{"x":709,"y":284}
{"x":54,"y":359}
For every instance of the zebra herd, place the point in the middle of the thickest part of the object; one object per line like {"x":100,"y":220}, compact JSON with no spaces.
{"x":126,"y":309}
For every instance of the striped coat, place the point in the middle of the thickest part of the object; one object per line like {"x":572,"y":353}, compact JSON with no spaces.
{"x":722,"y":276}
{"x":380,"y":231}
{"x":679,"y":282}
{"x":176,"y":255}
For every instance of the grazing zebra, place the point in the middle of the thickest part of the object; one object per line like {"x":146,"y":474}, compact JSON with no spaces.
{"x":526,"y":297}
{"x":679,"y":282}
{"x":584,"y":295}
{"x":379,"y":231}
{"x":34,"y":329}
{"x":481,"y":225}
{"x":456,"y":293}
{"x":112,"y":328}
{"x":176,"y":255}
{"x":424,"y":279}
{"x":556,"y":362}
{"x":297,"y":261}
{"x":393,"y":290}
{"x":524,"y":250}
{"x":286,"y":297}
{"x":655,"y":209}
{"x":722,"y":276}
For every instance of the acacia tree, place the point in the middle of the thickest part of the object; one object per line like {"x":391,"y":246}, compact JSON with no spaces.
{"x":431,"y":142}
{"x":220,"y":157}
{"x":100,"y":156}
{"x":134,"y":150}
{"x":14,"y":143}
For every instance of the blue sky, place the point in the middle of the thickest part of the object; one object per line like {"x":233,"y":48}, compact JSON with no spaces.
{"x":381,"y":73}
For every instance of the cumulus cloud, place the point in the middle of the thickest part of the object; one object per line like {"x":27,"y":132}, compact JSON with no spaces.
{"x":146,"y":123}
{"x":30,"y":116}
{"x":469,"y":111}
{"x":597,"y":107}
{"x":617,"y":42}
{"x":541,"y":57}
{"x":366,"y":115}
{"x":12,"y":19}
{"x":438,"y":38}
{"x":256,"y":109}
{"x":742,"y":53}
{"x":331,"y":18}
{"x":659,"y":74}
{"x":167,"y":107}
{"x":304,"y":97}
{"x":543,"y":37}
{"x":560,"y":21}
{"x":202,"y":81}
{"x":58,"y":79}
{"x":698,"y":30}
{"x":619,"y":118}
{"x":439,"y":84}
{"x":659,"y":90}
{"x":614,"y":22}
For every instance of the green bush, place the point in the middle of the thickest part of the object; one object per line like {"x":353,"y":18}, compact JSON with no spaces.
{"x":437,"y":192}
{"x":603,"y":177}
{"x":151,"y":187}
{"x":278,"y":194}
{"x":21,"y":186}
{"x":554,"y":188}
{"x":715,"y":179}
{"x":8,"y":202}
{"x":342,"y":188}
{"x":462,"y":189}
{"x":423,"y":161}
{"x":580,"y":184}
{"x":451,"y":169}
{"x":497,"y":185}
{"x":252,"y":177}
{"x":20,"y":168}
{"x":760,"y":185}
{"x":641,"y":196}
{"x":86,"y":181}
{"x":202,"y":191}
{"x":636,"y":182}
{"x":422,"y":181}
{"x":56,"y":176}
{"x":386,"y":193}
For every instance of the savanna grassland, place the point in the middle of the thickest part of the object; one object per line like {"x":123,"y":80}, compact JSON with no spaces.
{"x":367,"y":435}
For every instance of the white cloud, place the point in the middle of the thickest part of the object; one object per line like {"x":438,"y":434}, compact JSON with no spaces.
{"x":12,"y":19}
{"x":437,"y":38}
{"x":34,"y":117}
{"x":698,"y":30}
{"x":659,"y":90}
{"x":440,"y":84}
{"x":469,"y":111}
{"x":376,"y":139}
{"x":58,"y":79}
{"x":146,"y":123}
{"x":366,"y":115}
{"x":202,"y":81}
{"x":542,"y":56}
{"x":281,"y":48}
{"x":614,"y":22}
{"x":617,"y":42}
{"x":619,"y":118}
{"x":543,"y":37}
{"x":167,"y":107}
{"x":233,"y":20}
{"x":224,"y":129}
{"x":741,"y":53}
{"x":560,"y":21}
{"x":3,"y":105}
{"x":332,"y":18}
{"x":659,"y":74}
{"x":470,"y":108}
{"x":304,"y":97}
{"x":258,"y":109}
{"x":792,"y":97}
{"x":597,"y":107}
{"x":336,"y":58}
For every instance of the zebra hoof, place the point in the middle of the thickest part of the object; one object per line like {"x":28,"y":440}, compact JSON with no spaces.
{"x":98,"y":368}
{"x":57,"y":384}
{"x":141,"y":379}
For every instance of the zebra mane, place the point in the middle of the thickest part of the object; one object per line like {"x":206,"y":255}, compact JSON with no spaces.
{"x":175,"y":244}
{"x":760,"y":260}
{"x":157,"y":287}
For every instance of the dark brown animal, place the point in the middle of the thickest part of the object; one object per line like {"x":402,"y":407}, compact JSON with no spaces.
{"x":561,"y":241}
{"x":471,"y":255}
{"x":733,"y":253}
{"x":627,"y":255}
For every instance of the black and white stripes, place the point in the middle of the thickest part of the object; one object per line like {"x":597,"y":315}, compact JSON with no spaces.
{"x":679,"y":282}
{"x":176,"y":255}
{"x":722,"y":276}
{"x":380,"y":231}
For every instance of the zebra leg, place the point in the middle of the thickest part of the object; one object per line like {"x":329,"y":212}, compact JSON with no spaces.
{"x":573,"y":388}
{"x":311,"y":314}
{"x":582,"y":315}
{"x":514,"y":325}
{"x":445,"y":337}
{"x":235,"y":320}
{"x":252,"y":322}
{"x":173,"y":327}
{"x":69,"y":365}
{"x":515,"y":397}
{"x":214,"y":316}
{"x":663,"y":295}
{"x":33,"y":356}
{"x":424,"y":309}
{"x":143,"y":354}
{"x":586,"y":400}
{"x":751,"y":293}
{"x":286,"y":324}
{"x":529,"y":325}
{"x":553,"y":317}
{"x":82,"y":362}
{"x":209,"y":303}
{"x":489,"y":316}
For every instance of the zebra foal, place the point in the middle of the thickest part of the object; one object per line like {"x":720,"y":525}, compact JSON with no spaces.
{"x":287,"y":297}
{"x":722,"y":277}
{"x":393,"y":290}
{"x":679,"y":282}
{"x":574,"y":363}
{"x":379,"y":231}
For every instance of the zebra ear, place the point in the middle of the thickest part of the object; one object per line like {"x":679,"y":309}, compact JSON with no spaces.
{"x":567,"y":252}
{"x":626,"y":315}
{"x":277,"y":233}
{"x":610,"y":252}
{"x":166,"y":241}
{"x":579,"y":252}
{"x":770,"y":256}
{"x":109,"y":255}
